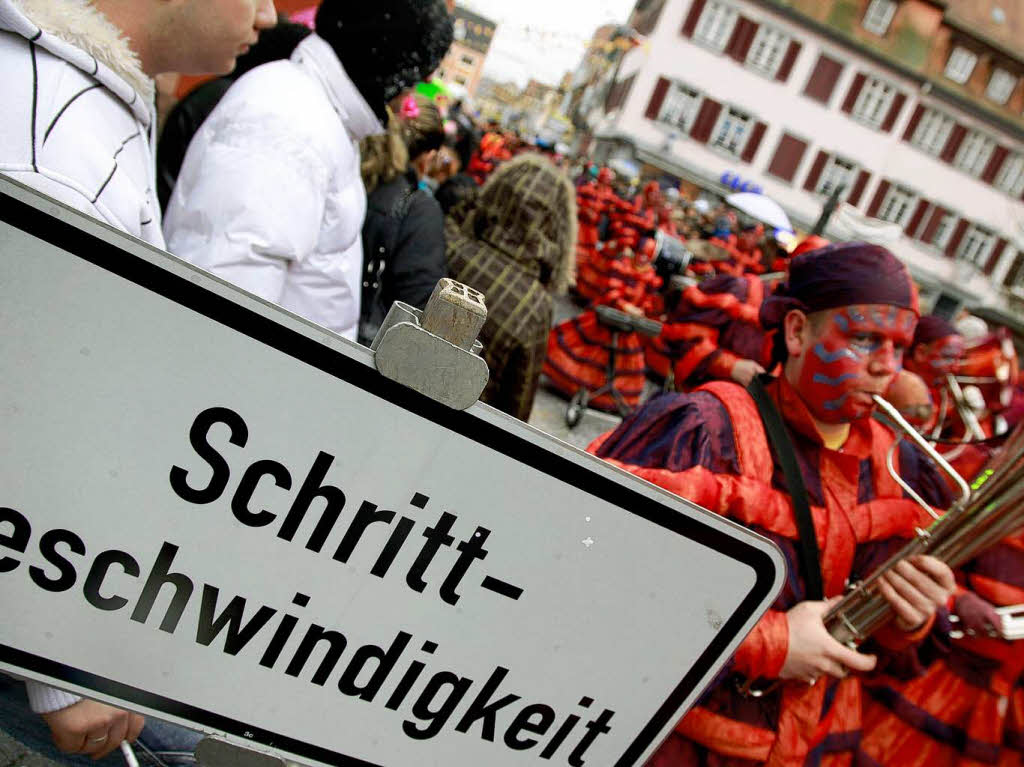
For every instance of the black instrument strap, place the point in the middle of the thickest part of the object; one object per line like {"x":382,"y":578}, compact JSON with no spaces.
{"x":810,"y":561}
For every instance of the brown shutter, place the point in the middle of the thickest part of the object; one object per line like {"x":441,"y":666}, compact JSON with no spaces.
{"x":657,"y":99}
{"x":692,"y":18}
{"x":742,"y":37}
{"x":811,"y":182}
{"x":619,"y":92}
{"x":1014,"y":270}
{"x":915,"y":220}
{"x":933,"y":225}
{"x":997,"y":251}
{"x":858,"y":188}
{"x":823,"y":79}
{"x":994,"y":164}
{"x":876,"y":202}
{"x":787,"y":62}
{"x":854,"y":92}
{"x":956,"y":138}
{"x":754,"y":142}
{"x":894,"y":111}
{"x":958,"y":235}
{"x":706,"y":119}
{"x":915,"y":118}
{"x":788,"y":155}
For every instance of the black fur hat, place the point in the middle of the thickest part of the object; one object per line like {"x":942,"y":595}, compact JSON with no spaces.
{"x":386,"y":46}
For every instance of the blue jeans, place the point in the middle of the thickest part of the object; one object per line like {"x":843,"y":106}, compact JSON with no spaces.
{"x":171,"y":744}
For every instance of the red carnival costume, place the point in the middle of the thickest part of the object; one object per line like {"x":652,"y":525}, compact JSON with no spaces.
{"x":714,"y":326}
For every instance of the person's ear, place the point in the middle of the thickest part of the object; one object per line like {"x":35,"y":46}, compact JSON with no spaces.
{"x":797,"y":330}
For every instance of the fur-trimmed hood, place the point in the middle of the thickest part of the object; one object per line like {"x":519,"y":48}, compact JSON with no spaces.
{"x":72,"y":27}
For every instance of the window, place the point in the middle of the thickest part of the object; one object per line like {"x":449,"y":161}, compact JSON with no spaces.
{"x":680,"y":106}
{"x":976,"y":246}
{"x":874,"y":101}
{"x":975,"y":152}
{"x":933,"y":131}
{"x":460,"y":80}
{"x":731,"y":132}
{"x":879,"y":16}
{"x":1000,"y":85}
{"x":468,"y":60}
{"x":960,"y":64}
{"x":715,"y":25}
{"x":768,"y":50}
{"x":896,"y":205}
{"x":944,"y":231}
{"x":1011,"y":175}
{"x":837,"y":172}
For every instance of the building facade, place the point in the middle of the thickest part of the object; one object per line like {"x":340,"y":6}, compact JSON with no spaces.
{"x":914,"y":108}
{"x":463,"y":65}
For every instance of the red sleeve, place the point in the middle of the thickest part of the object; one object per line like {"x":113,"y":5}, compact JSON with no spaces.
{"x":762,"y":654}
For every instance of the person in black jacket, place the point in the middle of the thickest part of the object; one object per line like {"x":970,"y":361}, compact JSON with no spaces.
{"x":403,"y":233}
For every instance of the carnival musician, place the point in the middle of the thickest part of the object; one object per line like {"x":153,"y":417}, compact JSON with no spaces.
{"x":842,"y":320}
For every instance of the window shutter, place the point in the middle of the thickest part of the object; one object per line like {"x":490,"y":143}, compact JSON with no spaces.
{"x":657,"y":99}
{"x":933,"y":225}
{"x":1015,"y":270}
{"x":912,"y":125}
{"x":787,"y":63}
{"x":858,"y":188}
{"x":754,"y":142}
{"x":823,"y":79}
{"x":997,"y":252}
{"x":958,"y":235}
{"x":854,"y":92}
{"x":894,"y":111}
{"x":994,"y":164}
{"x":692,"y":18}
{"x":956,"y":138}
{"x":706,"y":119}
{"x":742,"y":37}
{"x":811,"y":182}
{"x":915,"y":220}
{"x":876,"y":202}
{"x":618,"y":92}
{"x":788,"y":155}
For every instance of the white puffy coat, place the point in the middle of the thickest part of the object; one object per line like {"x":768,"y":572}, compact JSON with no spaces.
{"x":78,"y":113}
{"x":270,"y":197}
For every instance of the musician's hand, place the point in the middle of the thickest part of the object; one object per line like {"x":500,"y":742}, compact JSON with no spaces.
{"x":976,"y":615}
{"x":743,"y":371}
{"x":92,"y":728}
{"x":915,"y":588}
{"x":813,"y":651}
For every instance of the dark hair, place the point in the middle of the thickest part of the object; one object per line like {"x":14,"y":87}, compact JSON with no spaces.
{"x":386,"y":46}
{"x":459,"y":188}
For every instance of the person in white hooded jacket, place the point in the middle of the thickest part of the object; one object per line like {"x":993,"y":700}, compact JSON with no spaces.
{"x":269,"y":196}
{"x":79,"y":125}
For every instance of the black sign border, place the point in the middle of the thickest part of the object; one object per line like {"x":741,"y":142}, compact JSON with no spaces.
{"x":107,"y":256}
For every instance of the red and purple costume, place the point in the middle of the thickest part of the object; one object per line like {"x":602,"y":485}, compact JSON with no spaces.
{"x":714,"y":326}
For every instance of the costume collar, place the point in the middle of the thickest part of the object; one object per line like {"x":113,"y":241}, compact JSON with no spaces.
{"x":316,"y":56}
{"x":798,"y":417}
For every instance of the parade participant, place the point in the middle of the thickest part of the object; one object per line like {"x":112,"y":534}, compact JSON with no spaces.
{"x":909,"y":394}
{"x":934,"y":353}
{"x":514,"y":243}
{"x":302,"y":120}
{"x":714,"y":333}
{"x":80,"y":127}
{"x":967,"y":707}
{"x":842,"y":320}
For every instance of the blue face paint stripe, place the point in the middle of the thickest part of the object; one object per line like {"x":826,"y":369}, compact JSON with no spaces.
{"x":855,"y":315}
{"x":835,"y":404}
{"x":829,"y":357}
{"x":829,"y":381}
{"x":842,"y":322}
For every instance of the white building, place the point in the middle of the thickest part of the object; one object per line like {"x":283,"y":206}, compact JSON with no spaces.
{"x":770,"y":94}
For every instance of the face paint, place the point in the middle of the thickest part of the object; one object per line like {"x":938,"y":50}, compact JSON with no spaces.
{"x":939,"y":358}
{"x":853,"y":355}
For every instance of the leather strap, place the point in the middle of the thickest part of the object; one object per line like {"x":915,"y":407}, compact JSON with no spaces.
{"x":810,"y":561}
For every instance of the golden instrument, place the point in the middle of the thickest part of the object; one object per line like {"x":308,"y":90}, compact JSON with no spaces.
{"x":984,"y":514}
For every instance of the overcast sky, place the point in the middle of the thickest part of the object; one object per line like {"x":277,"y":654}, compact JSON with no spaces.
{"x":543,"y":38}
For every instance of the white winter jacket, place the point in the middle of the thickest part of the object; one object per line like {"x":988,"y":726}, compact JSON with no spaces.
{"x":270,"y":197}
{"x":78,"y":113}
{"x":78,"y":125}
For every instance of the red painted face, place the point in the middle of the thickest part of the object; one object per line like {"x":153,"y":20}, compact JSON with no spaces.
{"x":935,"y":360}
{"x":853,"y":355}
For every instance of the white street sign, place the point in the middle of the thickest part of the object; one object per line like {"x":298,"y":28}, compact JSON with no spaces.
{"x":214,"y":512}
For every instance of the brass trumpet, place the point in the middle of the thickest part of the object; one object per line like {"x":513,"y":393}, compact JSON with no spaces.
{"x":985,"y":513}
